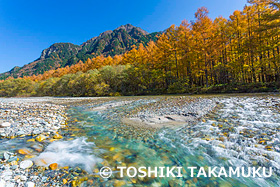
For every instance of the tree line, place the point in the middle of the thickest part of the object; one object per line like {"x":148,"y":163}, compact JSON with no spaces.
{"x":236,"y":54}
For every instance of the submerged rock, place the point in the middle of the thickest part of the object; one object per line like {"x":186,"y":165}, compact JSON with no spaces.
{"x":222,"y":146}
{"x":57,"y":136}
{"x":24,"y":151}
{"x":6,"y":156}
{"x":119,"y":183}
{"x":41,"y":138}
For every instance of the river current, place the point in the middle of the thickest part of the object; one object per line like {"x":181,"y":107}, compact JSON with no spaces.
{"x":240,"y":131}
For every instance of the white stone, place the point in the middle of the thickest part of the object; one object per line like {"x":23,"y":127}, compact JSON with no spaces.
{"x":6,"y":156}
{"x":5,"y":124}
{"x":7,"y":178}
{"x":2,"y":183}
{"x":34,"y":177}
{"x":30,"y":184}
{"x":26,"y":164}
{"x":10,"y":184}
{"x":7,"y":173}
{"x":156,"y":184}
{"x":23,"y":178}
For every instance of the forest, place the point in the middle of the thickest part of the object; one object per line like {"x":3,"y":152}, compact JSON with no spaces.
{"x":238,"y":54}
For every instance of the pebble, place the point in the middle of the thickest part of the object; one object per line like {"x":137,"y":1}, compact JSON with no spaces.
{"x":50,"y":180}
{"x":10,"y":184}
{"x":6,"y":124}
{"x":31,"y":140}
{"x":44,"y":179}
{"x":41,"y":138}
{"x":119,"y":183}
{"x":23,"y":151}
{"x":26,"y":164}
{"x":30,"y":184}
{"x":14,"y":167}
{"x":23,"y":117}
{"x":6,"y":156}
{"x":156,"y":184}
{"x":2,"y":183}
{"x":7,"y":173}
{"x":23,"y":178}
{"x":57,"y":136}
{"x":176,"y":183}
{"x":26,"y":117}
{"x":13,"y":163}
{"x":20,"y":133}
{"x":53,"y":166}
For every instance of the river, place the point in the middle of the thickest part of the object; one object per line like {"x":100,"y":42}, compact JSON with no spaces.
{"x":236,"y":131}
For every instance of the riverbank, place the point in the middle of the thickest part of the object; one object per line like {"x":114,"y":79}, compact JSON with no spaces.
{"x":33,"y":120}
{"x":237,"y":88}
{"x":21,"y":117}
{"x":105,"y":90}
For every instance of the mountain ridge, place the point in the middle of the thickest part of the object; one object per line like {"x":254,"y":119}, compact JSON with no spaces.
{"x":110,"y":42}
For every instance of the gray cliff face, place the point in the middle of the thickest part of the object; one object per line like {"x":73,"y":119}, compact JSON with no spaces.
{"x":58,"y":48}
{"x":46,"y":52}
{"x":128,"y":28}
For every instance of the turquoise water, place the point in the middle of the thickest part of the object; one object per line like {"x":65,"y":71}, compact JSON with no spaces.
{"x":215,"y":140}
{"x":242,"y":131}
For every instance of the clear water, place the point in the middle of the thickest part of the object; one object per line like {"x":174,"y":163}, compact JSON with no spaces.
{"x":242,"y":131}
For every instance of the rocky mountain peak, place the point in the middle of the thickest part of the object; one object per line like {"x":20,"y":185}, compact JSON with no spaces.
{"x":111,"y":42}
{"x":128,"y":28}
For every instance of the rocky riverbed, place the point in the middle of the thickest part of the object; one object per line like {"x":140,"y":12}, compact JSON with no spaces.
{"x":38,"y":122}
{"x":32,"y":120}
{"x":21,"y":118}
{"x":66,"y":141}
{"x":171,"y":112}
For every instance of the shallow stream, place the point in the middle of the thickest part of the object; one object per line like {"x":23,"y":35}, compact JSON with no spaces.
{"x":241,"y":131}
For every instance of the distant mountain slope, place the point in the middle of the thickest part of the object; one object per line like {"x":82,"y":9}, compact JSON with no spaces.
{"x":107,"y":43}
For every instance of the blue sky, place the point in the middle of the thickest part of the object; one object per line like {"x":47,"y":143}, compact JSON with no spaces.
{"x":27,"y":27}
